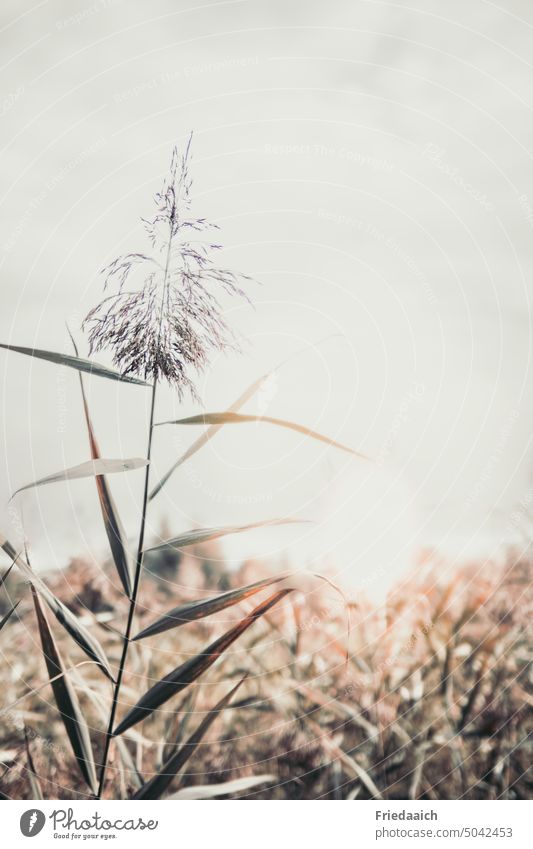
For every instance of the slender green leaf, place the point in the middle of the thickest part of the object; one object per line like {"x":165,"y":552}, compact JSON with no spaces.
{"x":64,"y":616}
{"x":239,"y":418}
{"x":88,"y":469}
{"x":8,"y":616}
{"x":183,"y":675}
{"x":114,"y":529}
{"x":157,"y":785}
{"x":224,"y":788}
{"x":204,"y":607}
{"x":78,"y":363}
{"x":66,"y":700}
{"x":206,"y":534}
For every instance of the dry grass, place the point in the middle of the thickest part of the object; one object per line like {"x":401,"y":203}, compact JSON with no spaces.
{"x":434,"y":701}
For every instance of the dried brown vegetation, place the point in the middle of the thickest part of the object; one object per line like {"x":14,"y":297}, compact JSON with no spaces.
{"x":434,"y":701}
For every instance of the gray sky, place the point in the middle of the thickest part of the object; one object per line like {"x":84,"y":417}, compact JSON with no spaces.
{"x":370,"y":165}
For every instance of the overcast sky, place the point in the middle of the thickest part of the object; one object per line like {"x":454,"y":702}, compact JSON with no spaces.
{"x":370,"y":165}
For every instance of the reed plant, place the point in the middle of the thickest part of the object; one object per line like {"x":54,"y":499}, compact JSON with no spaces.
{"x":161,"y":317}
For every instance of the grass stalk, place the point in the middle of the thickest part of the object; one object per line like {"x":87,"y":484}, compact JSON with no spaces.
{"x":133,"y":599}
{"x":140,"y":548}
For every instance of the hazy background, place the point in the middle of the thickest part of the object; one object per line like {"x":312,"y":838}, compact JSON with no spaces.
{"x":370,"y":165}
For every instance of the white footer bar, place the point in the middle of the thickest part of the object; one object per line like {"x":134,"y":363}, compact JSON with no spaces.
{"x":269,"y":825}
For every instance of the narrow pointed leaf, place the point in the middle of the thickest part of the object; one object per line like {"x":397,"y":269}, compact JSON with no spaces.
{"x":66,"y":700}
{"x":209,"y":433}
{"x":5,"y":575}
{"x":183,"y":675}
{"x":239,"y":418}
{"x":78,"y":363}
{"x":114,"y":529}
{"x":35,"y":784}
{"x":128,"y":762}
{"x":157,"y":785}
{"x":199,"y":535}
{"x":87,"y":470}
{"x":64,"y":616}
{"x":8,"y":616}
{"x":224,"y":788}
{"x":204,"y":607}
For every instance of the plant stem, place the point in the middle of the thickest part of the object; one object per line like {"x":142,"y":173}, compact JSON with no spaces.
{"x":140,"y":549}
{"x":133,"y":599}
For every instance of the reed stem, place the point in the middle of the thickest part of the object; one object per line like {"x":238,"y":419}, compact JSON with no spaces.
{"x":133,"y":599}
{"x":140,"y":549}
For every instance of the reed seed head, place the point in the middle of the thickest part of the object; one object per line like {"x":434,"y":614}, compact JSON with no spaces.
{"x":164,"y":317}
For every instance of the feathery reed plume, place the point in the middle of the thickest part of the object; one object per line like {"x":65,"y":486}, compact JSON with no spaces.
{"x":169,"y":318}
{"x":162,"y":329}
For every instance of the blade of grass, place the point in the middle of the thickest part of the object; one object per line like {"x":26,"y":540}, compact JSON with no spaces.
{"x":347,"y":760}
{"x":6,"y":575}
{"x":157,"y":785}
{"x":177,"y":726}
{"x":37,"y":687}
{"x":206,"y":534}
{"x":88,"y":366}
{"x":66,"y":700}
{"x":64,"y":616}
{"x":35,"y":784}
{"x":336,"y":707}
{"x":189,"y":671}
{"x":8,"y":616}
{"x":239,"y":418}
{"x":134,"y":778}
{"x":113,"y":526}
{"x":210,"y":432}
{"x":338,"y":590}
{"x":225,"y":788}
{"x":91,"y":468}
{"x":204,"y":607}
{"x":207,"y":435}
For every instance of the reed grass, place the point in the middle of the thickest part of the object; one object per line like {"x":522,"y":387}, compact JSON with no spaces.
{"x":161,"y":318}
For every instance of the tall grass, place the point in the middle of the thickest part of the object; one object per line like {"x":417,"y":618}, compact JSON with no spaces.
{"x":161,"y":318}
{"x":434,"y":703}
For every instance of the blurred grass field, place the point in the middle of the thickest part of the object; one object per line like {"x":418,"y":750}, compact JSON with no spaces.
{"x":428,"y":697}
